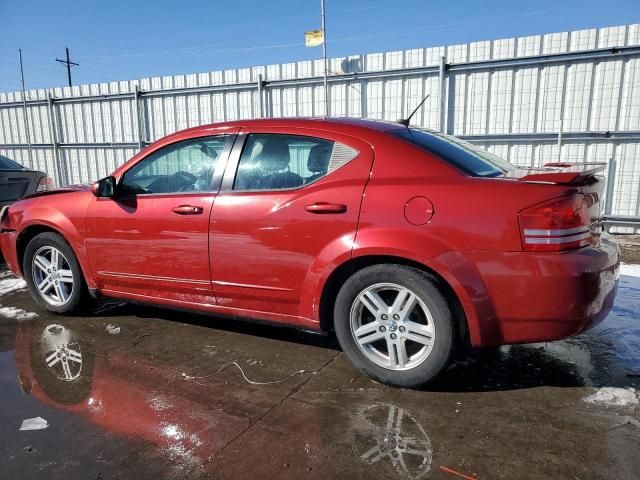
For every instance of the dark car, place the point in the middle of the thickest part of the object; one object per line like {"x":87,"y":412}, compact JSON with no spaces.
{"x":17,"y":181}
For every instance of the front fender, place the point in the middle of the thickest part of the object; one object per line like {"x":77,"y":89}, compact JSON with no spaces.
{"x":67,"y":221}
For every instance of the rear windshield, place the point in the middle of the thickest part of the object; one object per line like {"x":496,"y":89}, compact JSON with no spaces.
{"x":467,"y":157}
{"x":8,"y":164}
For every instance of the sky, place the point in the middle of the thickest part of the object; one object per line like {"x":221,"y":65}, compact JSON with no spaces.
{"x":125,"y":39}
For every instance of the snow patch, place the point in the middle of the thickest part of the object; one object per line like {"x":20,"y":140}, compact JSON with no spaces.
{"x":112,"y":329}
{"x":10,"y":284}
{"x":614,"y":397}
{"x":16,"y":313}
{"x":630,"y":270}
{"x":36,"y":423}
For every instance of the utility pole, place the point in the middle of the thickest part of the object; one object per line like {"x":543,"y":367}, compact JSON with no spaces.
{"x":24,"y":107}
{"x":324,"y":54}
{"x":68,"y":64}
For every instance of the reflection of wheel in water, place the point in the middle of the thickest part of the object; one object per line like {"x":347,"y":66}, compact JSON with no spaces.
{"x":387,"y":434}
{"x":61,"y":363}
{"x":61,"y":352}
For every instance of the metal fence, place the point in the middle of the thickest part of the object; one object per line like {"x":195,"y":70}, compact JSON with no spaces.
{"x":571,"y":96}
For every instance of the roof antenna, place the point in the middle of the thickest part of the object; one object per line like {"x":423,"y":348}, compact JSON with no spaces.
{"x":405,"y":121}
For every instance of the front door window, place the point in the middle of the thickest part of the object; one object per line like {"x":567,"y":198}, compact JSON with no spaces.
{"x":185,"y":166}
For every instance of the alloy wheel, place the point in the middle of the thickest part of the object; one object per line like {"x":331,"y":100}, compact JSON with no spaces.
{"x":392,"y":326}
{"x":52,"y":275}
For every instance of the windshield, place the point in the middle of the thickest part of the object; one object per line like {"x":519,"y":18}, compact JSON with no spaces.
{"x":8,"y":164}
{"x":467,"y":157}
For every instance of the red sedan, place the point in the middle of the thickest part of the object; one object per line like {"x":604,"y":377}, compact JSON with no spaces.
{"x":407,"y":243}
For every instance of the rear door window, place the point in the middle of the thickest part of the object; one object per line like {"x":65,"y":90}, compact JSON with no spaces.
{"x":279,"y":162}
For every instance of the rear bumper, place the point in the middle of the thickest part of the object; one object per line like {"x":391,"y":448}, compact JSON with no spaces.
{"x":534,"y":297}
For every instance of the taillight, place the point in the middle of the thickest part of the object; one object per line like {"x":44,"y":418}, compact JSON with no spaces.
{"x":557,"y":225}
{"x":46,"y":183}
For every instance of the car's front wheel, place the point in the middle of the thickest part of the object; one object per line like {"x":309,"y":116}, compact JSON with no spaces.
{"x":53,"y":274}
{"x":394,"y":324}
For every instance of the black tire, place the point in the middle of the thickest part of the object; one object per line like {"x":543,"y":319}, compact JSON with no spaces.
{"x":424,"y":286}
{"x":79,"y":295}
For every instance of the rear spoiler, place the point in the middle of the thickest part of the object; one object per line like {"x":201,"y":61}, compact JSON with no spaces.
{"x":563,"y":173}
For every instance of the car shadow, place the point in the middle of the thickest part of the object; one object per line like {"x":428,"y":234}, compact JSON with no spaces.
{"x":114,"y":309}
{"x":508,"y":368}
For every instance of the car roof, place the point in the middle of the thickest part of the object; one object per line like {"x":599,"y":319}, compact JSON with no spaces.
{"x":344,"y":124}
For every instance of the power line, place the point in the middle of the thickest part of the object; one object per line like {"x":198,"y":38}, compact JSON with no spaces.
{"x":205,"y":50}
{"x":69,"y":64}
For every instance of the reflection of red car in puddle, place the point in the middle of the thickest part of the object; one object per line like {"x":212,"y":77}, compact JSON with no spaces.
{"x":122,"y":394}
{"x":190,"y":422}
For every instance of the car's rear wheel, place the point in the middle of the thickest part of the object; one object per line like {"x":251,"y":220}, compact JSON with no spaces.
{"x":394,"y":324}
{"x":53,"y":274}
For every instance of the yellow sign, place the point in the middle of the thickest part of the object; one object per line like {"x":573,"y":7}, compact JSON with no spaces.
{"x":313,"y":38}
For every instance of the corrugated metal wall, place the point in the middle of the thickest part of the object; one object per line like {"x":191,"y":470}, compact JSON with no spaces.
{"x":511,"y":96}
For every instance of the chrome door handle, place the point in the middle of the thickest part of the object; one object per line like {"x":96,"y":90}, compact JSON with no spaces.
{"x":187,"y":210}
{"x":324,"y":207}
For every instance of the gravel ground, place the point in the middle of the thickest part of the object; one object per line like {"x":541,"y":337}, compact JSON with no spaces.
{"x":629,"y":248}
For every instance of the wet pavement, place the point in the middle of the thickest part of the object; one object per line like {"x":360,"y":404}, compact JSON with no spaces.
{"x":160,"y":399}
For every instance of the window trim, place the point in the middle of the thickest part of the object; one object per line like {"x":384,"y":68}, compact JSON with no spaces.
{"x":216,"y":178}
{"x":236,"y":154}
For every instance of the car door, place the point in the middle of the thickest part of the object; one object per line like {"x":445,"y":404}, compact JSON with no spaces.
{"x":151,"y":239}
{"x":288,"y":202}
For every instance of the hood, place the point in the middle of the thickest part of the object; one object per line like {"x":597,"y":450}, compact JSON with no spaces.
{"x":65,"y":189}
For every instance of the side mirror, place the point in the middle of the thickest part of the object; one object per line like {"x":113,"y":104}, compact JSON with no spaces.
{"x":104,"y":188}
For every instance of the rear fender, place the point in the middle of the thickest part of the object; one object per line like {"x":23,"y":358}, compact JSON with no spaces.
{"x":468,"y":285}
{"x":451,"y":266}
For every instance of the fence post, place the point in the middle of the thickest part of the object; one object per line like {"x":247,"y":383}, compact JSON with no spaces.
{"x":562,"y":108}
{"x":140,"y":117}
{"x":443,"y":93}
{"x":53,"y":129}
{"x":260,"y":96}
{"x":611,"y":174}
{"x":27,"y":127}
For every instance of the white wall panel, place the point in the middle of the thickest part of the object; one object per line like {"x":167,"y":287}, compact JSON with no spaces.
{"x":500,"y":96}
{"x":605,"y":95}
